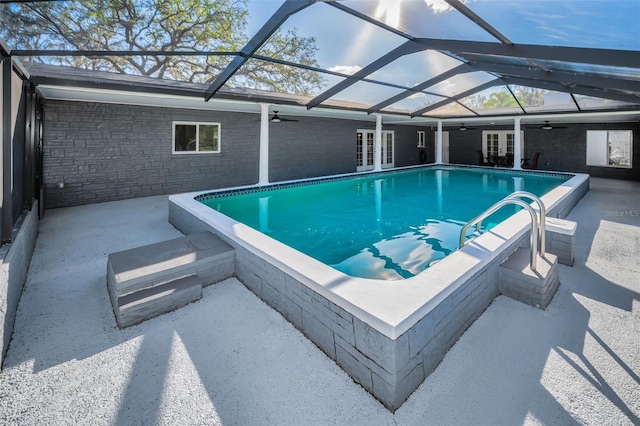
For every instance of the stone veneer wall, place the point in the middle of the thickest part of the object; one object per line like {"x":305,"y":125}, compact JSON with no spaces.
{"x":389,"y":369}
{"x":16,"y":258}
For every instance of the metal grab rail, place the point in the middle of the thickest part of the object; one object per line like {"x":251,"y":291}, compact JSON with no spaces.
{"x":497,"y":206}
{"x":543,"y":217}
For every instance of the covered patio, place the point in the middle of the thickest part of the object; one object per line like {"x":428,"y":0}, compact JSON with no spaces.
{"x":108,"y":107}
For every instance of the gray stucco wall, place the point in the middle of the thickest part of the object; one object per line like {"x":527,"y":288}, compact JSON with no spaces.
{"x":105,"y":152}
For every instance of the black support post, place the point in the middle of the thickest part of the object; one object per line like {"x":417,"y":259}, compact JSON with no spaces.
{"x":6,"y":213}
{"x":29,"y":147}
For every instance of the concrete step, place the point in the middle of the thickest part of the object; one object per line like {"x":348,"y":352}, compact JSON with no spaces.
{"x":205,"y":254}
{"x":147,"y":281}
{"x":160,"y":299}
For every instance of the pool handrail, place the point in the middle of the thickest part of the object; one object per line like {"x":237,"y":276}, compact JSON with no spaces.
{"x":533,"y":257}
{"x":543,"y":217}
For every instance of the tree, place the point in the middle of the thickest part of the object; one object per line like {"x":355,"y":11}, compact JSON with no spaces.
{"x":530,"y":96}
{"x":160,"y":25}
{"x":495,"y":100}
{"x":500,"y":100}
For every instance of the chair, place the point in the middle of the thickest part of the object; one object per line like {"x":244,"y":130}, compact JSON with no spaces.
{"x":534,"y":162}
{"x":509,"y":160}
{"x":481,"y":160}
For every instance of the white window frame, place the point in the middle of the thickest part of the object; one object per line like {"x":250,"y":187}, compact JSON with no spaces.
{"x":598,"y":149}
{"x":421,"y":139}
{"x":197,"y":124}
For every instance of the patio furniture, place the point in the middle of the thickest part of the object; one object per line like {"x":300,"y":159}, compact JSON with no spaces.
{"x":499,"y":161}
{"x":534,"y":162}
{"x":481,"y":160}
{"x":509,"y":160}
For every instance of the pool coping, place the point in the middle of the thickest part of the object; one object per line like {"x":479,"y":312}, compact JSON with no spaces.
{"x":390,"y":307}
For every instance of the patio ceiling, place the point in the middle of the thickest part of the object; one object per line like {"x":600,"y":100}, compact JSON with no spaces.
{"x":447,"y":58}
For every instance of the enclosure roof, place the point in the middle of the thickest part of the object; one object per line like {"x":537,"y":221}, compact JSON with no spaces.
{"x":428,"y":58}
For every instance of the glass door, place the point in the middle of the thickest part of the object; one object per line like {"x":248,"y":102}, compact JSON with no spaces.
{"x":497,"y":146}
{"x":365,"y":142}
{"x":387,"y":149}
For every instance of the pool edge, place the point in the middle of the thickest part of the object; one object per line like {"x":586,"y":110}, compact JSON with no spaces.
{"x":389,"y":351}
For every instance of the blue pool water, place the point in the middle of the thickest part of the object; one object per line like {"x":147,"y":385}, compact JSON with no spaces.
{"x":387,"y":226}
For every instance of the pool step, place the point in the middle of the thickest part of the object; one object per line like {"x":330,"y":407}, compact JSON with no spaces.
{"x":147,"y":281}
{"x":519,"y":282}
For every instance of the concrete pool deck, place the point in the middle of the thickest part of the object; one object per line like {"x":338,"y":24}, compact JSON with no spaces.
{"x":230,"y":359}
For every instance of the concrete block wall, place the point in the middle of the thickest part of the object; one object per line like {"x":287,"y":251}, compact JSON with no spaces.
{"x":16,"y":258}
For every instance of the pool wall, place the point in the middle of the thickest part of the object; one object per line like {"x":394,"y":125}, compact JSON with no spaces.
{"x":387,"y":335}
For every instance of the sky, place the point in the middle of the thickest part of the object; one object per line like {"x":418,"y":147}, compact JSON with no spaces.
{"x":346,"y":44}
{"x":610,"y":24}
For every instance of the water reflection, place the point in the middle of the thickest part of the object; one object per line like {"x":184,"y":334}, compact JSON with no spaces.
{"x":406,"y":254}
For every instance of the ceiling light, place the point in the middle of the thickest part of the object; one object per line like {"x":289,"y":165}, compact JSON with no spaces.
{"x":547,"y":126}
{"x":275,"y":118}
{"x":462,"y":127}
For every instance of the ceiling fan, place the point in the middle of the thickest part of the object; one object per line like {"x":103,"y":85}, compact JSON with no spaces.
{"x":277,"y":119}
{"x":463,"y":128}
{"x":548,"y":126}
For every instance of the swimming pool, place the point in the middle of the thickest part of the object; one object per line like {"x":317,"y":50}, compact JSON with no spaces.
{"x":388,"y":335}
{"x":390,"y":226}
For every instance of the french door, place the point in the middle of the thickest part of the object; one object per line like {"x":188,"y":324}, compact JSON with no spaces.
{"x":365,"y":140}
{"x":499,"y":143}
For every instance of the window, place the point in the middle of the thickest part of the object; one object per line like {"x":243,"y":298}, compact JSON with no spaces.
{"x":421,"y":141}
{"x":609,"y":148}
{"x":196,"y":137}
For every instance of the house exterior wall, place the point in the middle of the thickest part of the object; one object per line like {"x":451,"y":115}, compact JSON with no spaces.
{"x":562,"y":149}
{"x":106,"y":152}
{"x":311,"y":147}
{"x":406,"y":145}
